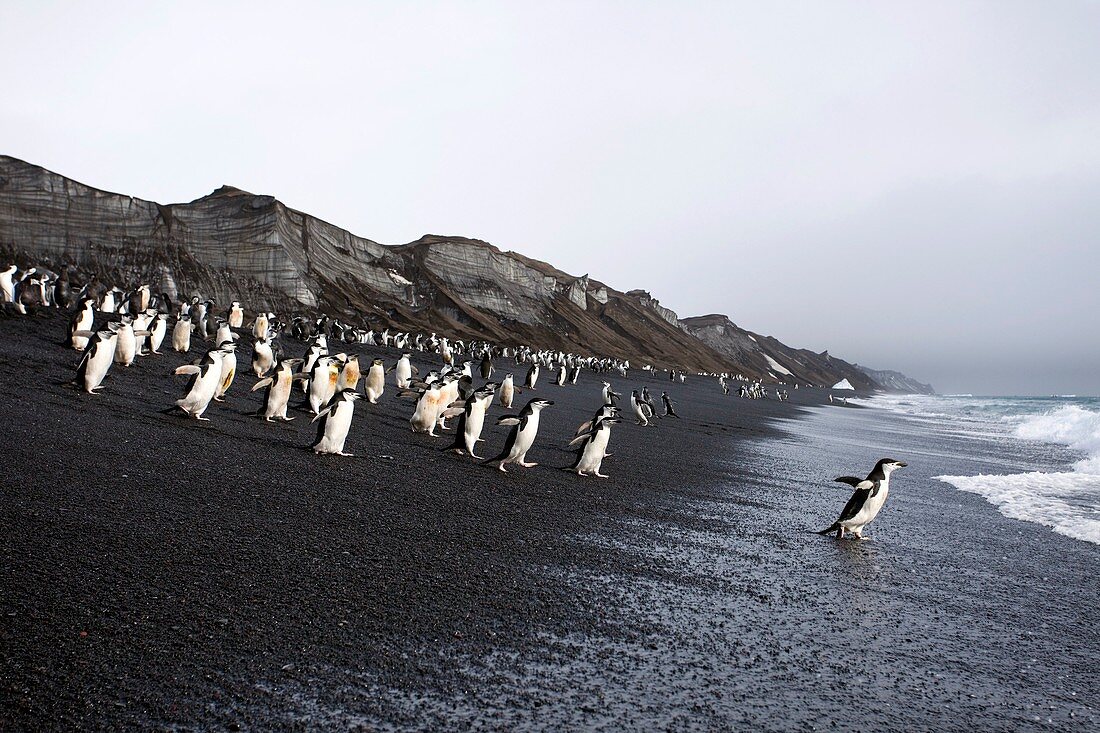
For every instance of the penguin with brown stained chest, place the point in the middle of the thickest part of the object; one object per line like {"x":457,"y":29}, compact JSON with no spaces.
{"x":279,"y":387}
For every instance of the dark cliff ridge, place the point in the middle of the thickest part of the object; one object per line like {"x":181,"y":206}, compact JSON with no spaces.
{"x":765,"y":355}
{"x":893,"y":381}
{"x":234,"y":245}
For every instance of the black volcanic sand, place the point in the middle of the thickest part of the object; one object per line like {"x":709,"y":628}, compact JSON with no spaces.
{"x":158,"y":572}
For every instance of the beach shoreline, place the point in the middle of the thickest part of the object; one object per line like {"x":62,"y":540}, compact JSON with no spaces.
{"x":165,"y":573}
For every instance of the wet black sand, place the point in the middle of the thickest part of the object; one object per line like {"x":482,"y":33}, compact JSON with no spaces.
{"x":159,"y":572}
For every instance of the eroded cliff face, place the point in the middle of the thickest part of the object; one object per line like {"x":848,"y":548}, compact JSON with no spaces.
{"x":893,"y":381}
{"x":768,"y":357}
{"x":233,"y":245}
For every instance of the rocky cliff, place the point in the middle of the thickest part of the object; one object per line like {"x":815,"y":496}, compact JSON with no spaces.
{"x":234,"y":245}
{"x":893,"y":381}
{"x":764,"y":355}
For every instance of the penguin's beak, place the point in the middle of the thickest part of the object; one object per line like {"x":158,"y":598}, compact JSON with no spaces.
{"x":902,"y":464}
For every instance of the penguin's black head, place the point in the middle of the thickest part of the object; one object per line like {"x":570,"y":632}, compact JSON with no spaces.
{"x":887,"y":465}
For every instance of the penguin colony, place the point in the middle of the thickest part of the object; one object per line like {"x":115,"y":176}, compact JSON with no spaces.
{"x":135,"y":324}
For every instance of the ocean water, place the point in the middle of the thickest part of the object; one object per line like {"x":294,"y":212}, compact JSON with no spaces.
{"x":1036,"y":459}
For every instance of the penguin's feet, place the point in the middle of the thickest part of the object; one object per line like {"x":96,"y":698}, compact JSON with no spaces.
{"x":200,"y":417}
{"x":527,"y":465}
{"x":219,"y":399}
{"x":501,"y":467}
{"x":347,"y":455}
{"x":600,"y":475}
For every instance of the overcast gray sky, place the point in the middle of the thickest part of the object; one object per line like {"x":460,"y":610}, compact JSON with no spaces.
{"x":911,"y":185}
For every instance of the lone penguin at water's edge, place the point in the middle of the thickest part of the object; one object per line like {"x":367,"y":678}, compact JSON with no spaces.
{"x":865,"y":504}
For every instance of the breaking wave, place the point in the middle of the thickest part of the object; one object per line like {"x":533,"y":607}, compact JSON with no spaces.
{"x":1066,"y":501}
{"x":1069,"y":425}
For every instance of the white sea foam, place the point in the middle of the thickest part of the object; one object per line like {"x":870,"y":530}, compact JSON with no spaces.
{"x":1069,"y":425}
{"x":1061,"y":501}
{"x":1068,"y":501}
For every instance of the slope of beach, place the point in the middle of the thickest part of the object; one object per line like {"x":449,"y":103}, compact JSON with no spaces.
{"x":159,"y":572}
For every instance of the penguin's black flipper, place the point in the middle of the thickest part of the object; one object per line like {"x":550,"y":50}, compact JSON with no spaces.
{"x":459,"y":443}
{"x":850,"y":480}
{"x":501,"y":457}
{"x":509,"y":442}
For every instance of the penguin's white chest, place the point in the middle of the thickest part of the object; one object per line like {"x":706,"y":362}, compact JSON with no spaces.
{"x":205,"y":387}
{"x":427,"y":409}
{"x":280,"y":395}
{"x":157,"y":335}
{"x":592,"y":458}
{"x":181,"y":336}
{"x":376,"y":382}
{"x":125,"y":346}
{"x":403,"y":373}
{"x":870,"y":508}
{"x":262,"y":358}
{"x":227,"y":372}
{"x":100,"y":362}
{"x":526,"y":437}
{"x":474,"y":423}
{"x":338,"y":424}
